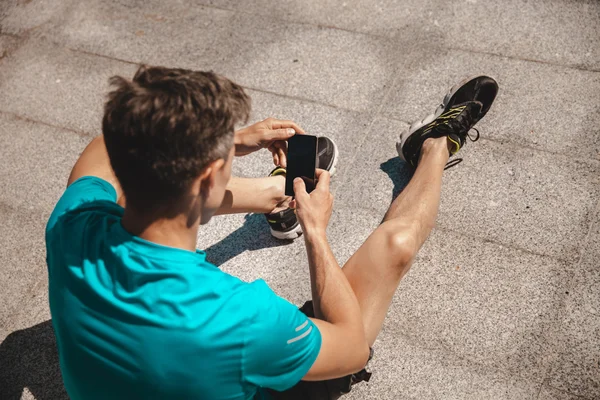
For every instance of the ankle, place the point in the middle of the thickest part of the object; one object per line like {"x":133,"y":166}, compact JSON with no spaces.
{"x":278,"y":200}
{"x":278,"y":187}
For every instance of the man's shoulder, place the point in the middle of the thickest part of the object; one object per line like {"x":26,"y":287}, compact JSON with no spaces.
{"x":93,"y":209}
{"x":249,"y":301}
{"x":82,"y":223}
{"x":257,"y":293}
{"x":262,"y":305}
{"x":83,"y":198}
{"x":247,"y":294}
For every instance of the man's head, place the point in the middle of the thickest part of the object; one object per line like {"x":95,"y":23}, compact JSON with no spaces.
{"x":169,"y":137}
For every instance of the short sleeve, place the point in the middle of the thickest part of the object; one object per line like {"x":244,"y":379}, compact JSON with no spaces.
{"x":281,"y":342}
{"x":83,"y":191}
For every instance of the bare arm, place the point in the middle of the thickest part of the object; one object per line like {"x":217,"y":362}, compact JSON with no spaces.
{"x":253,"y":195}
{"x":94,"y":162}
{"x":344,"y":349}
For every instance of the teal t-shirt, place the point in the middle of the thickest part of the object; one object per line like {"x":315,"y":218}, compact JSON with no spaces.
{"x":138,"y":320}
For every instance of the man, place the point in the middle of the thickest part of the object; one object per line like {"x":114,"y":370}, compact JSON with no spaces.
{"x":138,"y":311}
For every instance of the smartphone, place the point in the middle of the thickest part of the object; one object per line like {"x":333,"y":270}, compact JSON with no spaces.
{"x":301,"y":162}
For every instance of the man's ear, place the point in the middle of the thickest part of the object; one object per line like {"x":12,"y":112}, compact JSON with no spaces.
{"x":208,"y":176}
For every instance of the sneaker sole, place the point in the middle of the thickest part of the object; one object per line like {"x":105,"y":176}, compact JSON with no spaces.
{"x":336,"y":155}
{"x":287,"y":235}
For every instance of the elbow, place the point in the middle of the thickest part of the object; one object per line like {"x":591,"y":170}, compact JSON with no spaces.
{"x":362,"y":357}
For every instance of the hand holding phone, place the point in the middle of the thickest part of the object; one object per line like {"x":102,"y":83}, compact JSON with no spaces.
{"x":313,"y":210}
{"x":301,"y":162}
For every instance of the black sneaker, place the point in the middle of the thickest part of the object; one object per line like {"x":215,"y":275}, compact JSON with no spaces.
{"x":284,"y":224}
{"x":457,"y":103}
{"x":480,"y":88}
{"x":327,"y":154}
{"x":454,"y":124}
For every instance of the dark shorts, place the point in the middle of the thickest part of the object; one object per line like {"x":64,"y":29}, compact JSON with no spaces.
{"x":321,"y":390}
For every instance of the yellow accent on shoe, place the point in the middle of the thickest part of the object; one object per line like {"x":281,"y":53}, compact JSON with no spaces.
{"x":451,"y":113}
{"x":279,"y":171}
{"x":456,"y":145}
{"x":272,"y":221}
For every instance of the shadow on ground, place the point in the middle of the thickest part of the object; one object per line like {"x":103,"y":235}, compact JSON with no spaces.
{"x":29,"y":359}
{"x":252,"y":235}
{"x":399,"y":173}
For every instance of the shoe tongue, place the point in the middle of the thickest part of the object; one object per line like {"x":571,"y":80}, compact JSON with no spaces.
{"x":460,"y":125}
{"x":477,"y":107}
{"x":469,"y":114}
{"x":473,"y":108}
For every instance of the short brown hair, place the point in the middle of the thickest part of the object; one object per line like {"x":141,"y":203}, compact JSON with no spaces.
{"x":162,"y":128}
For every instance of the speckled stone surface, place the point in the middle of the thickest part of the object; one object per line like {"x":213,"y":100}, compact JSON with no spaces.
{"x":557,"y":31}
{"x":58,"y":86}
{"x":281,"y":57}
{"x":30,"y":150}
{"x":549,"y":393}
{"x":501,"y":302}
{"x":413,"y":371}
{"x":577,"y":368}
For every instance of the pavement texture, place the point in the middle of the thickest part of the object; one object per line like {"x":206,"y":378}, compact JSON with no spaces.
{"x":503,"y":301}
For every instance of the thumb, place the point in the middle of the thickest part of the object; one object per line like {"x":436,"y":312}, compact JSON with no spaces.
{"x":323,"y":178}
{"x":299,"y":189}
{"x":280,"y":134}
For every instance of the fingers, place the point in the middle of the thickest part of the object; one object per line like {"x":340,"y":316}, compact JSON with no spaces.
{"x":282,"y":158}
{"x":280,"y":134}
{"x":279,"y":153}
{"x":280,"y":123}
{"x":323,"y":178}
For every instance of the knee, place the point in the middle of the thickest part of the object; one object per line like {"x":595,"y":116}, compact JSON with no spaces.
{"x":402,"y":244}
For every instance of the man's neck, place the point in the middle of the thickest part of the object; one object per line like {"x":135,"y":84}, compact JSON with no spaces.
{"x":173,"y":232}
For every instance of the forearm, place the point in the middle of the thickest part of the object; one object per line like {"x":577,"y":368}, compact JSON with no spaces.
{"x":257,"y":195}
{"x":238,"y":137}
{"x":336,"y":308}
{"x":333,"y":298}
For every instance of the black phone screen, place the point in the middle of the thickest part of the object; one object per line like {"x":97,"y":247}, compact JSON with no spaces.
{"x":301,"y":162}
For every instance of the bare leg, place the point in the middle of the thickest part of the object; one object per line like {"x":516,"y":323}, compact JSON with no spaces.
{"x":257,"y":195}
{"x":376,"y":269}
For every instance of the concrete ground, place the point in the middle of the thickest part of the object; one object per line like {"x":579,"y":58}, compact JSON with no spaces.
{"x":503,"y":301}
